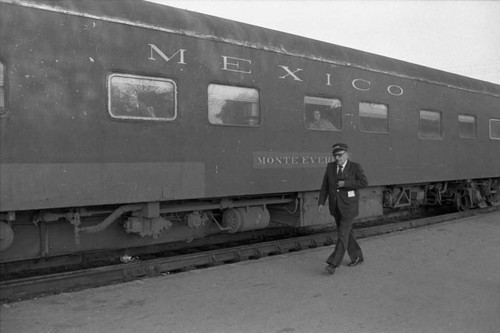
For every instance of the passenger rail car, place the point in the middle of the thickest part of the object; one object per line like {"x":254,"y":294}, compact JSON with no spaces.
{"x":127,"y":123}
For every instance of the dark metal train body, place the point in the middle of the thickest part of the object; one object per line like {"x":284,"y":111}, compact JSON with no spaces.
{"x":126,"y":123}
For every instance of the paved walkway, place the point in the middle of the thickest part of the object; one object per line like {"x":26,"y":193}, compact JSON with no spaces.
{"x":443,"y":278}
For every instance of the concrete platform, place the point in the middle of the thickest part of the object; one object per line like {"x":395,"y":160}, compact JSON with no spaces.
{"x":443,"y":278}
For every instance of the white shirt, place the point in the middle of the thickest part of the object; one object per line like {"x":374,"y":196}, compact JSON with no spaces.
{"x":343,"y":166}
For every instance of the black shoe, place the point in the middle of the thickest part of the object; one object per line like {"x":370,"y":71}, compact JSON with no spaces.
{"x":356,"y":262}
{"x":330,"y":269}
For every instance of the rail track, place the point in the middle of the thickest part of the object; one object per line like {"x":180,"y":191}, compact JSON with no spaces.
{"x":29,"y":287}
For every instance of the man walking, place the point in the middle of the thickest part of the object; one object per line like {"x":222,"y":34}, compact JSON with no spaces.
{"x":343,"y":178}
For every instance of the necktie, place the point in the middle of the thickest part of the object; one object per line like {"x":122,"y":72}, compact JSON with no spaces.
{"x":339,"y":172}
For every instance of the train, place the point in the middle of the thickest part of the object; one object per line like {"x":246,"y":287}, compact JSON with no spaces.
{"x":128,"y":124}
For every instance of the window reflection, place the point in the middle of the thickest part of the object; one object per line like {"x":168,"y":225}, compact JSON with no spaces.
{"x":228,"y":105}
{"x":495,"y":129}
{"x":430,"y":124}
{"x":136,"y":97}
{"x":466,"y":126}
{"x":373,"y":117}
{"x":2,"y":89}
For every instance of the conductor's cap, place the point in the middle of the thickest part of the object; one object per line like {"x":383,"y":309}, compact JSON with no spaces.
{"x":338,"y":147}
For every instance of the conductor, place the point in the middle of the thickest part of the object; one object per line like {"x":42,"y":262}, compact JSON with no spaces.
{"x":343,"y":178}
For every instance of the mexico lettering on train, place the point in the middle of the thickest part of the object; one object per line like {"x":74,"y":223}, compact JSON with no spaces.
{"x":243,"y":66}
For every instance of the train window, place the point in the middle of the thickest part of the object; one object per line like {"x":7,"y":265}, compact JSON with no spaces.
{"x":495,"y":129}
{"x":2,"y":89}
{"x":373,"y":118}
{"x":140,"y":97}
{"x":430,"y":125}
{"x":322,"y":114}
{"x":229,"y":105}
{"x":466,"y":126}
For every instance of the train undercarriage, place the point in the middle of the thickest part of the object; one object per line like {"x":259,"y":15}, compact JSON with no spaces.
{"x":50,"y":233}
{"x":463,"y":195}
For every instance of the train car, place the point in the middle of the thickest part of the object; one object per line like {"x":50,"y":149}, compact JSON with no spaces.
{"x":127,"y":124}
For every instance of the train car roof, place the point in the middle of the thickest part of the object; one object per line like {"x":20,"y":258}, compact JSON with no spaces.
{"x":170,"y":19}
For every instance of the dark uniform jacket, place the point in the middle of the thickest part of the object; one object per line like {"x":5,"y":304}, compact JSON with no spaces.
{"x":346,"y":197}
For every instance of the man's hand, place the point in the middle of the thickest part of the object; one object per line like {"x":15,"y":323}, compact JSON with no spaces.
{"x":340,"y":183}
{"x":319,"y":208}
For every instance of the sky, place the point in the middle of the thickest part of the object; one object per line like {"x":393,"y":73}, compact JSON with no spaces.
{"x":461,"y":37}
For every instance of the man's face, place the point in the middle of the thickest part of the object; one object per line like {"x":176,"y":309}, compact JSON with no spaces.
{"x":341,"y":157}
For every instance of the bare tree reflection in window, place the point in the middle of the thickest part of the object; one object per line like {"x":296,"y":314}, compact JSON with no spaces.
{"x":142,"y":98}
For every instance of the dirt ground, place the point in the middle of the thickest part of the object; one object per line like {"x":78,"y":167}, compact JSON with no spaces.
{"x":443,"y":278}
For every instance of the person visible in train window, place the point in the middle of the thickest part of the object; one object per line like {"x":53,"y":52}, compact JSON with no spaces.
{"x":341,"y":183}
{"x":319,"y":123}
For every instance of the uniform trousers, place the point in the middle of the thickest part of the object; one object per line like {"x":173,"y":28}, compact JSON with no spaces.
{"x":345,"y":241}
